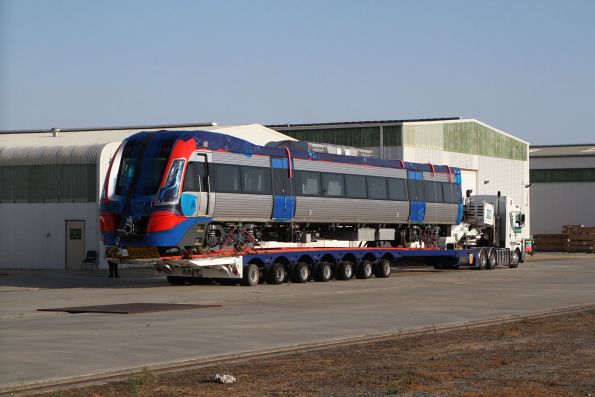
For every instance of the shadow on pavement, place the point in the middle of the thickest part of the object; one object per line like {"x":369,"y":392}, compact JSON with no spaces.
{"x":50,"y":279}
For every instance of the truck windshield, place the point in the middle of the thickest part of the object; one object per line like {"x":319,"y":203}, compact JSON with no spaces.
{"x":147,"y":156}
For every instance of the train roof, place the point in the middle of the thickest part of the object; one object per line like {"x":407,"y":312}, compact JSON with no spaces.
{"x":228,"y":143}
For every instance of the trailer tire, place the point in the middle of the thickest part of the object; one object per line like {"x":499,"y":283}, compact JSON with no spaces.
{"x":175,"y":280}
{"x":382,"y":269}
{"x":482,"y":259}
{"x":324,"y":272}
{"x":492,"y":259}
{"x":364,"y":270}
{"x":301,"y":273}
{"x":344,"y":271}
{"x":251,"y":275}
{"x":276,"y":273}
{"x":515,"y":258}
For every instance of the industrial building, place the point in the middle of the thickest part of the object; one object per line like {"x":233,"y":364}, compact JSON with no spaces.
{"x":562,"y":187}
{"x":51,"y":180}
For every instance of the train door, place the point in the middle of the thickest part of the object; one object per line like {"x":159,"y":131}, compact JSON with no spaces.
{"x":196,"y":198}
{"x":283,"y":195}
{"x":417,"y":205}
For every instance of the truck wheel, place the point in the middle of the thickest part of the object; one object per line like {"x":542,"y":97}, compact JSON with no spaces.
{"x":301,"y":273}
{"x":382,"y":269}
{"x":344,"y":271}
{"x":492,"y":259}
{"x":276,"y":274}
{"x":482,"y":259}
{"x":364,"y":270}
{"x":251,"y":275}
{"x":324,"y":272}
{"x":173,"y":280}
{"x":515,"y":258}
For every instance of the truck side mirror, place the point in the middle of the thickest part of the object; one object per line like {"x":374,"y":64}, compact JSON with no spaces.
{"x":468,"y":193}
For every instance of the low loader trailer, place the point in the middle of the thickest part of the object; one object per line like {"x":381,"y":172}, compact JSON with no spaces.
{"x":490,"y":236}
{"x":300,"y":265}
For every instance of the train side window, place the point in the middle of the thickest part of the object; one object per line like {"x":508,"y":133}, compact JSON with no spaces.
{"x":377,"y":188}
{"x":412,"y":188}
{"x":307,"y":183}
{"x":192,"y":178}
{"x":282,"y":182}
{"x":430,"y":191}
{"x":446,"y":192}
{"x":396,"y":189}
{"x":227,"y":178}
{"x":439,"y":194}
{"x":355,"y":186}
{"x":256,"y":180}
{"x":421,"y":196}
{"x":333,"y":185}
{"x":456,"y":193}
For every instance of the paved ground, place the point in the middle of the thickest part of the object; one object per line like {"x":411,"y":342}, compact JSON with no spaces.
{"x":37,"y":346}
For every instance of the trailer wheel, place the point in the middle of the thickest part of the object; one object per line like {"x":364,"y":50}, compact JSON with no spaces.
{"x":492,"y":259}
{"x":323,"y":272}
{"x":364,"y":270}
{"x":276,"y":274}
{"x":382,"y":269}
{"x":515,"y":258}
{"x":301,"y":273}
{"x":251,"y":275}
{"x":482,"y":260}
{"x":344,"y":271}
{"x":174,"y":280}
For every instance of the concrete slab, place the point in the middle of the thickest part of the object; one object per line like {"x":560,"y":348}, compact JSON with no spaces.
{"x":40,"y":346}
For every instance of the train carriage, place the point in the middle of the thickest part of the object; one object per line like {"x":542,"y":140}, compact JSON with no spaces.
{"x":197,"y":191}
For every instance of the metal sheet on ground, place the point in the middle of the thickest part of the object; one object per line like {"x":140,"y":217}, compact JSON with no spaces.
{"x":128,"y":308}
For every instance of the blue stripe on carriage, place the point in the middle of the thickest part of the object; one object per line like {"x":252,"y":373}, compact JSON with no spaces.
{"x":417,"y":209}
{"x":279,"y":163}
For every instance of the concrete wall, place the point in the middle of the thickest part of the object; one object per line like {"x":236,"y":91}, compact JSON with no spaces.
{"x":562,"y":203}
{"x":33,"y":236}
{"x":554,"y":204}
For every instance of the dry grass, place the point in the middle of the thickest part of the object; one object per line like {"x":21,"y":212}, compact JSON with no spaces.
{"x":554,"y":356}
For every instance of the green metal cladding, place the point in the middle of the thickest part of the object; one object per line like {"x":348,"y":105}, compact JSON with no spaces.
{"x":562,"y":175}
{"x":356,"y":137}
{"x":474,"y":138}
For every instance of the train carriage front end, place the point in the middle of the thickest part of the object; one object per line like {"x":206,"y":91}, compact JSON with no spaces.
{"x":142,"y":213}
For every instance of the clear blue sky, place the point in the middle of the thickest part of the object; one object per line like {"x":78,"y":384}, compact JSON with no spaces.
{"x":526,"y":67}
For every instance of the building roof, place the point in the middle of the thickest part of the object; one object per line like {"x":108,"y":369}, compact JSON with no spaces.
{"x":48,"y":155}
{"x":378,"y":123}
{"x":361,"y":123}
{"x":253,"y":133}
{"x":562,"y":150}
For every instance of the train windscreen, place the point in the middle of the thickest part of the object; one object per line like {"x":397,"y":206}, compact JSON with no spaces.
{"x":148,"y":157}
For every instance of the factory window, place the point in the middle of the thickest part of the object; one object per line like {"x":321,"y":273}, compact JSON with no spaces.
{"x":64,"y":183}
{"x":333,"y":185}
{"x":563,"y":175}
{"x":377,"y":188}
{"x":256,"y":180}
{"x":355,"y":186}
{"x":430,"y":191}
{"x":227,"y":178}
{"x":307,"y":183}
{"x":397,"y":189}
